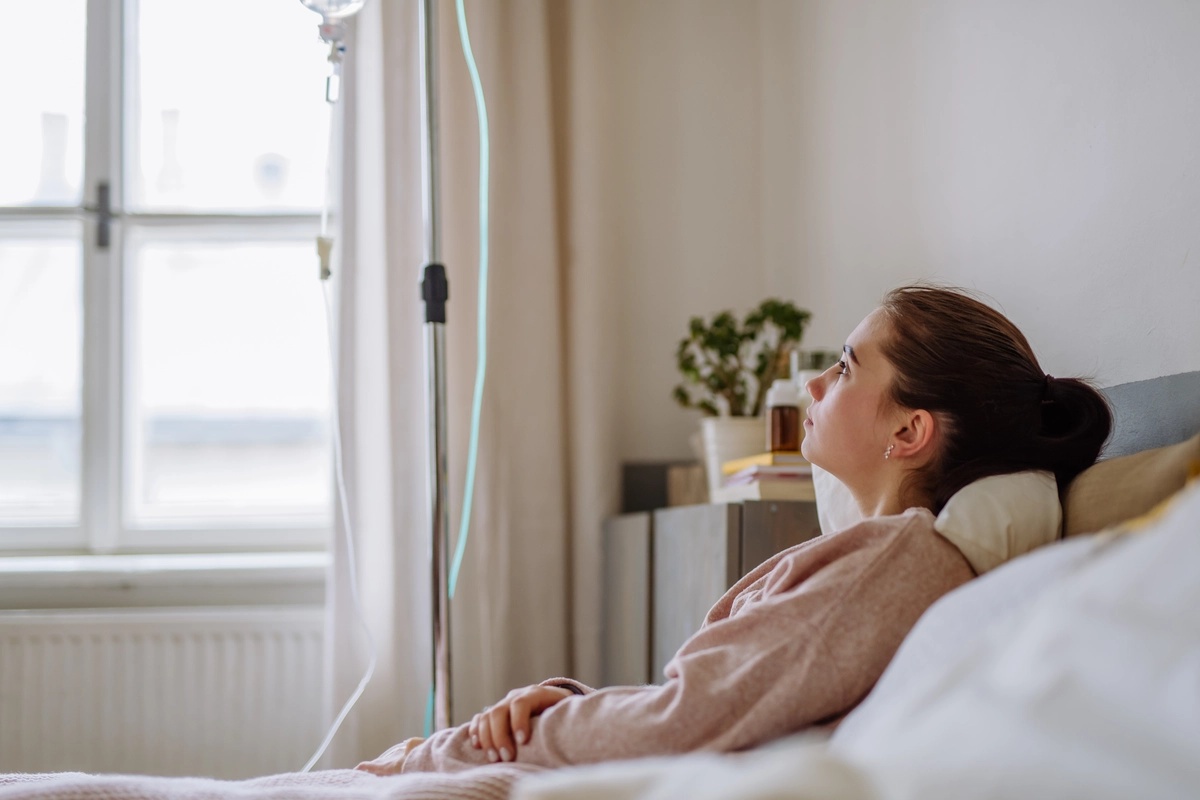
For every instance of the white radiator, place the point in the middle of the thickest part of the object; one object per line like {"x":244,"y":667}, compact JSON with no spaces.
{"x":221,"y":692}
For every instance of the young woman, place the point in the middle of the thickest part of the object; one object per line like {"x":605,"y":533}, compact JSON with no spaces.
{"x":934,"y":391}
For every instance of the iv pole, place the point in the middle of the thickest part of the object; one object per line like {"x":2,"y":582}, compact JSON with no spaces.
{"x":435,"y":292}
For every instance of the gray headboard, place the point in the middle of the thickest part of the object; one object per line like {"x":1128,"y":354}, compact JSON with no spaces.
{"x":1153,"y":413}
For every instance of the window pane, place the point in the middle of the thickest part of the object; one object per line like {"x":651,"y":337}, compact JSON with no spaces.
{"x":41,"y":136}
{"x":229,"y":382}
{"x":228,"y":109}
{"x":40,"y":323}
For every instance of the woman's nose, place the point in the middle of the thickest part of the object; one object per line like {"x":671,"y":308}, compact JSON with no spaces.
{"x":816,"y":387}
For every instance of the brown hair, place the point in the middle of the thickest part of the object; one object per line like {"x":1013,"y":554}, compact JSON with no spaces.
{"x":999,"y":412}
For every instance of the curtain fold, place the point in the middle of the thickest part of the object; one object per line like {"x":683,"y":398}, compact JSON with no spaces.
{"x":528,"y":592}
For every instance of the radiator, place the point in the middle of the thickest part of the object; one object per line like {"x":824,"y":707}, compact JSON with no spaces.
{"x":222,"y":692}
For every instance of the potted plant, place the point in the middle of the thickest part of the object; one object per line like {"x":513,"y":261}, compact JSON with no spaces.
{"x":727,"y":368}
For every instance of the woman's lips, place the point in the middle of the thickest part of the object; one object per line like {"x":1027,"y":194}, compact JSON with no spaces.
{"x":808,"y":421}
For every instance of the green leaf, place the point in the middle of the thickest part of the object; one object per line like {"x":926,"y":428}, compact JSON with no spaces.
{"x":724,"y":359}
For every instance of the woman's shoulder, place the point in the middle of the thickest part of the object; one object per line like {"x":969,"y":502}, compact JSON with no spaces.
{"x":870,"y":532}
{"x":915,"y":517}
{"x":908,"y":534}
{"x":911,"y":528}
{"x":880,"y":550}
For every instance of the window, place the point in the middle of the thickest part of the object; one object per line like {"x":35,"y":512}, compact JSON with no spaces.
{"x":164,"y":354}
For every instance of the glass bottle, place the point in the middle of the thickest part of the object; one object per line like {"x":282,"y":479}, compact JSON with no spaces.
{"x":783,"y":417}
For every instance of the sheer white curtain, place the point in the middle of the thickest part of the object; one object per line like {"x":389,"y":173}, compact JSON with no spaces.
{"x":544,"y":467}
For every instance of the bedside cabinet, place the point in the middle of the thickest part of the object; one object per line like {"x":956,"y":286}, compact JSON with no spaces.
{"x":664,"y":569}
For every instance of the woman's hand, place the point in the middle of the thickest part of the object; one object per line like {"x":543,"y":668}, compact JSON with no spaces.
{"x":500,"y":728}
{"x":392,"y":761}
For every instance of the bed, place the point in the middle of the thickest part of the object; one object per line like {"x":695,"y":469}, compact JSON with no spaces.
{"x":1073,"y":670}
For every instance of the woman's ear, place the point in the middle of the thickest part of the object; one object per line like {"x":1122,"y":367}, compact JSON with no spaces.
{"x":915,"y":436}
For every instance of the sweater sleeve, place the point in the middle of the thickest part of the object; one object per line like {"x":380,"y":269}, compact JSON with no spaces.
{"x":717,"y":698}
{"x":568,"y":683}
{"x":819,"y":629}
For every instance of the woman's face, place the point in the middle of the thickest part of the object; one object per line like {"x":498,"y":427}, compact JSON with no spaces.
{"x":849,"y":422}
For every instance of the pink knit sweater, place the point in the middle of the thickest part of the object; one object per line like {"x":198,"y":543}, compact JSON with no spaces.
{"x":797,"y":642}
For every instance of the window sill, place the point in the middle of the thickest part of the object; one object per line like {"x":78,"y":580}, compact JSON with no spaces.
{"x":139,"y":581}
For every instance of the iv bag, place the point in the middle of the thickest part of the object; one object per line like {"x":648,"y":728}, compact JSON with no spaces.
{"x":333,"y":10}
{"x":334,"y":14}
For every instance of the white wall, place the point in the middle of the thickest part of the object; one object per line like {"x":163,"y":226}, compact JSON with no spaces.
{"x":682,"y":194}
{"x":1046,"y":154}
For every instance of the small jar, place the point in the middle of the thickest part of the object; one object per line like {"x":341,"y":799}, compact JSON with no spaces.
{"x":783,"y":417}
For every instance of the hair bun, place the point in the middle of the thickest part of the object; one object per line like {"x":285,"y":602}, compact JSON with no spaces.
{"x":1076,"y":421}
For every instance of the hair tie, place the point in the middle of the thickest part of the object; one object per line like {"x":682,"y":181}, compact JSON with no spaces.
{"x":1046,"y":388}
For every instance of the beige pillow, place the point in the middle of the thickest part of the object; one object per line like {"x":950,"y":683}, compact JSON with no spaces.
{"x":1001,"y":517}
{"x":990,"y":521}
{"x":1118,"y":489}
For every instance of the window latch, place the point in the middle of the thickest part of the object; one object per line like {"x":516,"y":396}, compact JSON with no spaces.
{"x":104,"y":215}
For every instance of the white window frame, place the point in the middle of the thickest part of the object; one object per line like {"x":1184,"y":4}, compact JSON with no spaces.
{"x":103,"y":527}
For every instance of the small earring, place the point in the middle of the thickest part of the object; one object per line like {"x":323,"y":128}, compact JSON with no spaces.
{"x":888,"y":453}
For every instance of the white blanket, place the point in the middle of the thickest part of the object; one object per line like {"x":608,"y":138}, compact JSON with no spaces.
{"x":493,"y":783}
{"x":1091,"y":691}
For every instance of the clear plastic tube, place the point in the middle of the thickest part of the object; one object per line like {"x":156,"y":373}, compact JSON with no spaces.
{"x":351,"y":555}
{"x":325,"y":243}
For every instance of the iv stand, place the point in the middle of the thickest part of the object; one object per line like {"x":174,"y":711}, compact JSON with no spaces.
{"x":435,"y":292}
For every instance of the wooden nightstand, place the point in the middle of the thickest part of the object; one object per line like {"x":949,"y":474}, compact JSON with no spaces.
{"x":664,"y":569}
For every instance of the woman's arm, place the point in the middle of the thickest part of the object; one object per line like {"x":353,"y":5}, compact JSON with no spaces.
{"x":729,"y":692}
{"x":805,"y":648}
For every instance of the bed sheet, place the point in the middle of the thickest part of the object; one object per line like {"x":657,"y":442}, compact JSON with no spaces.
{"x":486,"y":783}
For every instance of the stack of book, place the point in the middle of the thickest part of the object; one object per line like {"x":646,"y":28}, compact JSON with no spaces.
{"x":766,"y":476}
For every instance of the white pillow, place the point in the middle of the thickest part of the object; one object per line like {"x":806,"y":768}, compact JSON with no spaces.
{"x":989,"y":521}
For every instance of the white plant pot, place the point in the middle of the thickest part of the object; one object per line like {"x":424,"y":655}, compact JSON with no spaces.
{"x":727,"y":438}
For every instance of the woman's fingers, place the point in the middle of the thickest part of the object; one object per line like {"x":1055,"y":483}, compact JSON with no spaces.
{"x":519,"y":718}
{"x":501,"y":729}
{"x":485,"y":733}
{"x":473,"y":731}
{"x":498,"y":730}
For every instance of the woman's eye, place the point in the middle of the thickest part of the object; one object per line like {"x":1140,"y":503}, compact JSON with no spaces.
{"x":843,"y":369}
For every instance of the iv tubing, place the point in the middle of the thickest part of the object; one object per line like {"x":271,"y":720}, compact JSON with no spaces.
{"x":351,"y":568}
{"x":324,"y":249}
{"x":481,"y":365}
